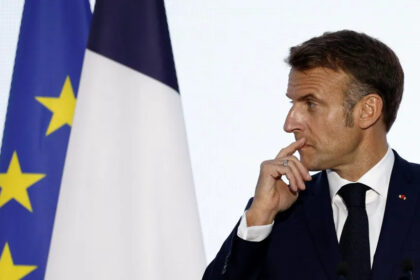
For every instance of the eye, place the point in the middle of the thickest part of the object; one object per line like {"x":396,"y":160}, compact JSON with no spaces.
{"x":310,"y":104}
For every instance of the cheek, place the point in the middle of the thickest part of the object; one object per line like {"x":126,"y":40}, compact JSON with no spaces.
{"x":335,"y":126}
{"x":324,"y":131}
{"x":331,"y":134}
{"x":342,"y":140}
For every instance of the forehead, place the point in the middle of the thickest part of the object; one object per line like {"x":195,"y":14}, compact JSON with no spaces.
{"x":321,"y":82}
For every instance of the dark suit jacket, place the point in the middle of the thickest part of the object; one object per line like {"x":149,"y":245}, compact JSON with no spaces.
{"x":303,"y":243}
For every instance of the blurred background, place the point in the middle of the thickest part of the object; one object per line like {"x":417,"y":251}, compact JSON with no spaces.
{"x":229,"y":57}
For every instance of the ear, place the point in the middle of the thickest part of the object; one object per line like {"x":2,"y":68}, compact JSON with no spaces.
{"x":370,"y":110}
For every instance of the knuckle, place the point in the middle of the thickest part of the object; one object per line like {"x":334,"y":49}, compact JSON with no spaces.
{"x":265,"y":165}
{"x":292,"y":157}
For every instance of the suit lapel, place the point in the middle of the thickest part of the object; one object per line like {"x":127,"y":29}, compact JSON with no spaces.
{"x":320,"y":222}
{"x":398,"y":217}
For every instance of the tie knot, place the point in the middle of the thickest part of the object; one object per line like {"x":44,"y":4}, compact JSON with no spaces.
{"x":354,"y":195}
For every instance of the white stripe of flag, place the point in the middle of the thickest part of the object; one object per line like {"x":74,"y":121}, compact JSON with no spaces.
{"x":127,"y":208}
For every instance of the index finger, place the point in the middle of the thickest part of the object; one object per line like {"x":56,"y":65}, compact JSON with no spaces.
{"x":291,"y":149}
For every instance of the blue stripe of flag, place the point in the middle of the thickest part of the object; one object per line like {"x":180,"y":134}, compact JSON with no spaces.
{"x":134,"y":33}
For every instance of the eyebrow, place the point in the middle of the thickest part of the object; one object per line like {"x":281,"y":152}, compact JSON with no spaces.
{"x":306,"y":97}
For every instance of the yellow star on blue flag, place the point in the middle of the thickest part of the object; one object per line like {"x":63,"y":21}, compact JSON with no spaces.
{"x":14,"y":184}
{"x":62,"y":107}
{"x":49,"y":57}
{"x":11,"y":271}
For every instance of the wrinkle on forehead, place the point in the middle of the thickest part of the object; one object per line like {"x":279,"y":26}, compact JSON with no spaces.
{"x":318,"y":81}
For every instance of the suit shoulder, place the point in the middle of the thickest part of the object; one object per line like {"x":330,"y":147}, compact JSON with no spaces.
{"x":405,"y":168}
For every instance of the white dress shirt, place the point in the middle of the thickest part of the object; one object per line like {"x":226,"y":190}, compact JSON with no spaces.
{"x":377,"y":178}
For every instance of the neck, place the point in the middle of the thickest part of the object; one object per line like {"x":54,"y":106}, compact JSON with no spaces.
{"x":368,"y":154}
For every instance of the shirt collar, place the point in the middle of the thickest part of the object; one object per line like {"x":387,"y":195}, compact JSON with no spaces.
{"x":377,"y":178}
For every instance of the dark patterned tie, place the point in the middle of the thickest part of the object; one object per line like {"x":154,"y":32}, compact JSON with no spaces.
{"x":354,"y":241}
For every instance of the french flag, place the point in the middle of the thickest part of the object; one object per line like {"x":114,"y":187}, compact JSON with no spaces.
{"x":127,"y":207}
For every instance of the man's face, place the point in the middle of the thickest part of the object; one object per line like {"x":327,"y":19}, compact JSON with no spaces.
{"x":318,"y":115}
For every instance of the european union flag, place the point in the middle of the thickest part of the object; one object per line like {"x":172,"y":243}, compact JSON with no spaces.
{"x":52,"y":41}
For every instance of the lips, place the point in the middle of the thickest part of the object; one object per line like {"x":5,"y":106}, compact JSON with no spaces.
{"x":306,"y":145}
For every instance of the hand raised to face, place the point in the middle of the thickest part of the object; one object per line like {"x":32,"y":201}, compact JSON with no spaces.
{"x":272,"y":194}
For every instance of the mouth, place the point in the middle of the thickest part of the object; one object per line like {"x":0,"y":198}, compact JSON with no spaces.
{"x":306,"y":145}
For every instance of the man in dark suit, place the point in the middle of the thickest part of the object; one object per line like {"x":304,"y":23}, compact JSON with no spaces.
{"x":357,"y":219}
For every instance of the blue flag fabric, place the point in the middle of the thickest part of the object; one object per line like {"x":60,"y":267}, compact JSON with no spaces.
{"x":135,"y":34}
{"x":52,"y":41}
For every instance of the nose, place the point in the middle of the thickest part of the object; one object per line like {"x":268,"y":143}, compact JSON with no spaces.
{"x":293,"y":121}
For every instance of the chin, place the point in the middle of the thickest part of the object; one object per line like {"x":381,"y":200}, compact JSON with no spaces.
{"x":306,"y":162}
{"x":309,"y":163}
{"x":312,"y":167}
{"x":310,"y":158}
